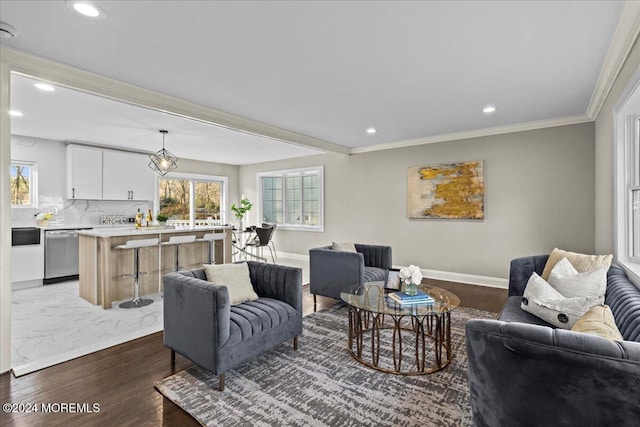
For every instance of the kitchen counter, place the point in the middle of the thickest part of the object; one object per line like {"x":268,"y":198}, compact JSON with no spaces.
{"x":104,"y":269}
{"x":64,"y":226}
{"x":117,"y":231}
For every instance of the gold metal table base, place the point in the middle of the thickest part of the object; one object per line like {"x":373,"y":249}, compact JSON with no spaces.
{"x":429,"y":332}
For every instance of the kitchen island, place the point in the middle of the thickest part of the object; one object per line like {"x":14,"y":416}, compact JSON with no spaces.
{"x":102,"y":267}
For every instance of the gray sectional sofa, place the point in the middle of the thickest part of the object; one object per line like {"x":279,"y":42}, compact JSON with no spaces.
{"x":524,"y":372}
{"x":201,"y":324}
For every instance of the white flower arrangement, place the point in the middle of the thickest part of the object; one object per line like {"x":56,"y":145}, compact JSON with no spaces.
{"x":411,"y":274}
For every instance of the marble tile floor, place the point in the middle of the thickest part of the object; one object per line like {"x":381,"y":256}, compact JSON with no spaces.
{"x":52,"y":324}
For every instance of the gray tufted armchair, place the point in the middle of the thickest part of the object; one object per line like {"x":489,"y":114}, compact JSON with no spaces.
{"x":331,"y":271}
{"x":201,"y":324}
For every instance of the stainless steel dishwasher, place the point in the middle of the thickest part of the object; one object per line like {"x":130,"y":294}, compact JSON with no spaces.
{"x":60,"y":255}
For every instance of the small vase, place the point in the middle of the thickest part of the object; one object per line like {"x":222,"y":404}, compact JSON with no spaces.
{"x":411,"y":289}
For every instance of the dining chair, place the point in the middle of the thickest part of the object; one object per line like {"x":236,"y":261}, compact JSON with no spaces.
{"x":263,"y":238}
{"x":275,"y":226}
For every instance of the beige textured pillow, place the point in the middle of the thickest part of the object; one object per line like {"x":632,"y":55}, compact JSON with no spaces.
{"x":344,"y":247}
{"x":580,"y":262}
{"x":598,"y":321}
{"x":235,"y":277}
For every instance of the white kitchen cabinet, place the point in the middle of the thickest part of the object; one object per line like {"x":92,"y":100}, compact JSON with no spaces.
{"x":27,"y":263}
{"x":101,"y":174}
{"x":126,"y":176}
{"x":84,"y":172}
{"x":141,"y":178}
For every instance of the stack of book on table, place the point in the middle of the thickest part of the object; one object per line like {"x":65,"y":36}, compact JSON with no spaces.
{"x":402,"y":298}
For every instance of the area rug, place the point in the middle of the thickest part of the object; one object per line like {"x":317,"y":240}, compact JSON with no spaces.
{"x":322,"y":385}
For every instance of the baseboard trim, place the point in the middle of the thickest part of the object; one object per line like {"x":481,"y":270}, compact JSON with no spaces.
{"x":300,"y":257}
{"x":450,"y":276}
{"x":472,"y":279}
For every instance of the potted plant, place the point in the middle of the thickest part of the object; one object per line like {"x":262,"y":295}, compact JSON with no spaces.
{"x":244,"y":207}
{"x":161,"y":218}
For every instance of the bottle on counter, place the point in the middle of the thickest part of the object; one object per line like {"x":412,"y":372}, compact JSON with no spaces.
{"x":149,"y":218}
{"x":138,"y":219}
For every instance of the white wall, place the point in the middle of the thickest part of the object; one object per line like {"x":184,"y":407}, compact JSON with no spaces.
{"x":604,"y":156}
{"x":538,"y":195}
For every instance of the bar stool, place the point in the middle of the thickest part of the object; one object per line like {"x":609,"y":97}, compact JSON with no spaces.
{"x":211,"y":238}
{"x":177,"y":241}
{"x":136,"y":245}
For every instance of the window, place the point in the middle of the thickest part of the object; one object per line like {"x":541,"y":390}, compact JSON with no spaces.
{"x":293,"y":198}
{"x":24,"y":184}
{"x":175,"y":196}
{"x":633,"y":191}
{"x":188,"y":196}
{"x":627,"y":178}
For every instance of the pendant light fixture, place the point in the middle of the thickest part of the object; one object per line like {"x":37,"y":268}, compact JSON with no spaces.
{"x":163,"y":161}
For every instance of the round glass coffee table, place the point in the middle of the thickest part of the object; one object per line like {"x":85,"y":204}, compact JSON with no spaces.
{"x":413,"y":339}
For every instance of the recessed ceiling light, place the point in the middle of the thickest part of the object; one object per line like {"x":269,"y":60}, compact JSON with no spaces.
{"x":86,"y":8}
{"x":45,"y":87}
{"x":15,"y":113}
{"x":371,"y":131}
{"x":489,"y":109}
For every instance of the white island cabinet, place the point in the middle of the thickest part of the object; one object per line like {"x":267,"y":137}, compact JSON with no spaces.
{"x":84,"y":172}
{"x":126,"y":176}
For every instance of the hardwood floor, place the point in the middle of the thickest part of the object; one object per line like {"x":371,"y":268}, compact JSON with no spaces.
{"x":120,"y":379}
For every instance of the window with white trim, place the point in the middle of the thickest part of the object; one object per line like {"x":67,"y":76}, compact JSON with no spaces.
{"x":192,"y":197}
{"x":627,"y":178}
{"x":24,"y":184}
{"x":293,"y":198}
{"x":633,"y":192}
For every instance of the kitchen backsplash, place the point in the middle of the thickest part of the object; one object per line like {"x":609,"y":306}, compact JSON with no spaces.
{"x":76,"y":212}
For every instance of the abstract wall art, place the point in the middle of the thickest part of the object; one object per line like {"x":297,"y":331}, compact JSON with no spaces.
{"x":450,"y":190}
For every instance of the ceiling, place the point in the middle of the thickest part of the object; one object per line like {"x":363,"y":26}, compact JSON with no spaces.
{"x":331,"y":69}
{"x":71,"y":115}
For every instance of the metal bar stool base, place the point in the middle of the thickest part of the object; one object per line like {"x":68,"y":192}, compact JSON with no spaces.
{"x":135,"y":303}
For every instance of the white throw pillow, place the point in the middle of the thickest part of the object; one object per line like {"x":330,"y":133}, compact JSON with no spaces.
{"x":344,"y":247}
{"x":235,"y":277}
{"x":543,"y":301}
{"x":565,"y":279}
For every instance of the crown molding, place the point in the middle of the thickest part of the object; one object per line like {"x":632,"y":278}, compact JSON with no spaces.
{"x":75,"y":78}
{"x":623,"y":40}
{"x":476,"y":133}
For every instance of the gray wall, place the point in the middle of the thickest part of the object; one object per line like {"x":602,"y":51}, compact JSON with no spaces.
{"x":538,"y":194}
{"x":604,"y":156}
